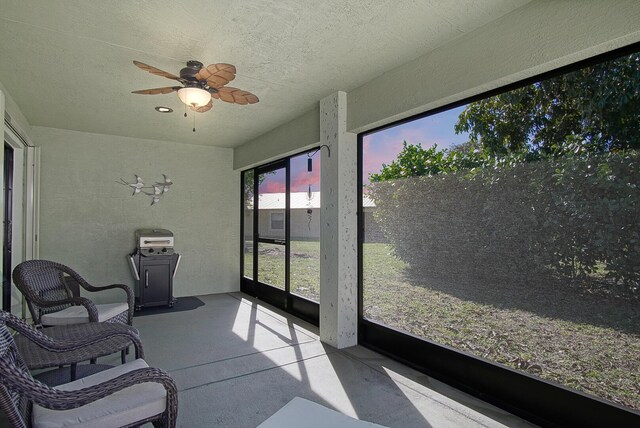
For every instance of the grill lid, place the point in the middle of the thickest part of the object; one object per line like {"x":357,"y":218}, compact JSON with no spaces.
{"x":154,"y":238}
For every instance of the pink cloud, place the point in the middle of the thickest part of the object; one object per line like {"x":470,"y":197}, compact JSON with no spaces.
{"x":272,"y":187}
{"x":301,"y":180}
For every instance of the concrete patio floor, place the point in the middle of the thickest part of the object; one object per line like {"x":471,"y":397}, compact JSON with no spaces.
{"x":237,"y":361}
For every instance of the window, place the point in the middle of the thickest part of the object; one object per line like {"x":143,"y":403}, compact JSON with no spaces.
{"x":277,"y":221}
{"x":507,"y":228}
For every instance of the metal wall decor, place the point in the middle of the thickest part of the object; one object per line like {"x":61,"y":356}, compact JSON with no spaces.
{"x":309,"y":210}
{"x":310,"y":155}
{"x":159,"y":187}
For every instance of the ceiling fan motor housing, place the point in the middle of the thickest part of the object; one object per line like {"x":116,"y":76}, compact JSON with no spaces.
{"x":190,"y":71}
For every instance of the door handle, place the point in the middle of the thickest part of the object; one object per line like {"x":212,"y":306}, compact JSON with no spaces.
{"x":134,"y":269}
{"x":146,"y":279}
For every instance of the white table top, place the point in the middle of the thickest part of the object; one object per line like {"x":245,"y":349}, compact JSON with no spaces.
{"x":301,"y":413}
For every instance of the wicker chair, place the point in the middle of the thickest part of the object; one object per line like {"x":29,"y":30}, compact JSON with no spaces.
{"x":124,"y":396}
{"x":110,"y":338}
{"x":48,"y":288}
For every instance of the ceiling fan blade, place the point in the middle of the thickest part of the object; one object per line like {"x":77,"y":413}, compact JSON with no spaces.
{"x":204,"y":108}
{"x":235,"y":95}
{"x":155,"y":71}
{"x":156,"y":91}
{"x":217,"y":75}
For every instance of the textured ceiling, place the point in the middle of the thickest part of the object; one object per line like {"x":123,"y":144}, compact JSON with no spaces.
{"x":68,"y":63}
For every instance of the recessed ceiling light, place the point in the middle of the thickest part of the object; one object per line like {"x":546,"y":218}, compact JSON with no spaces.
{"x":164,"y":109}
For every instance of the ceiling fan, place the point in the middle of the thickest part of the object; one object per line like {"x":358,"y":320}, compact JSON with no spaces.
{"x":200,"y":85}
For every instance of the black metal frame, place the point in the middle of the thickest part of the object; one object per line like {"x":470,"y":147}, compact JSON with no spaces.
{"x":540,"y":401}
{"x":299,"y":306}
{"x":246,"y":284}
{"x":8,"y":228}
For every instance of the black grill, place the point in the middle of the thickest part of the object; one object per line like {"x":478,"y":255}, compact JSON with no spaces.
{"x":154,"y":263}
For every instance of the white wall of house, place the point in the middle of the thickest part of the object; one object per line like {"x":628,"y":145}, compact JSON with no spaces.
{"x":88,"y":220}
{"x":304,"y":227}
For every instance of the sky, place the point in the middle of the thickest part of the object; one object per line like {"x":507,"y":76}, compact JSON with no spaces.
{"x":378,"y":148}
{"x":384,"y":146}
{"x":301,"y":178}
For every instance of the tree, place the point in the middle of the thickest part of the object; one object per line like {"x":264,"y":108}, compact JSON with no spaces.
{"x":594,"y":109}
{"x":486,"y":204}
{"x":416,"y":161}
{"x":248,"y":186}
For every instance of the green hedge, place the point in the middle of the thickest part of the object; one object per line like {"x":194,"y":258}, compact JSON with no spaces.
{"x":517,"y":218}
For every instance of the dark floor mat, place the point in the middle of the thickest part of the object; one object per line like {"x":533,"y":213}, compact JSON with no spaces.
{"x":181,"y":304}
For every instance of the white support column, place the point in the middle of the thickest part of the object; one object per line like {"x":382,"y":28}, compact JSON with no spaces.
{"x":338,"y":229}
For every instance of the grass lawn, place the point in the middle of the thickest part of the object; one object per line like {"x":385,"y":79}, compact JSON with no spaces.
{"x":590,"y":343}
{"x":304,"y":267}
{"x":591,"y":357}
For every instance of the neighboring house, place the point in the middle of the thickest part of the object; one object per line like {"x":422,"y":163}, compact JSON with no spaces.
{"x":305,"y":217}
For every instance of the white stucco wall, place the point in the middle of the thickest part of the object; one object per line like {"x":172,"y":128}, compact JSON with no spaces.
{"x":88,"y":220}
{"x":294,"y":136}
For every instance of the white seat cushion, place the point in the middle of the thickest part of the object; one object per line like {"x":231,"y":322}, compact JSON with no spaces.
{"x":79,"y":314}
{"x":122,"y":408}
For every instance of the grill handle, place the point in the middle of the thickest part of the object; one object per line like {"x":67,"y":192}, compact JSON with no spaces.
{"x":177,"y":264}
{"x":157,"y":241}
{"x":134,"y":269}
{"x":146,"y":279}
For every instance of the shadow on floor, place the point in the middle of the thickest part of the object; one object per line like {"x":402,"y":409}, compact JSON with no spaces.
{"x":237,"y":362}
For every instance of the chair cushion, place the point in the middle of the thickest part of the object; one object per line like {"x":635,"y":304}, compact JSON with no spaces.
{"x":79,"y":314}
{"x":122,"y":408}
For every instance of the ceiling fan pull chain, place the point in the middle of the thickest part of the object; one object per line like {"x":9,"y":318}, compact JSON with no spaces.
{"x":194,"y":121}
{"x":185,"y":110}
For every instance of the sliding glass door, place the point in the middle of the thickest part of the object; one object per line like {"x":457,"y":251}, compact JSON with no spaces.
{"x":281,"y":234}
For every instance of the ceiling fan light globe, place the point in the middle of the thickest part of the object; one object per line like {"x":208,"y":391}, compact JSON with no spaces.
{"x":195,"y":97}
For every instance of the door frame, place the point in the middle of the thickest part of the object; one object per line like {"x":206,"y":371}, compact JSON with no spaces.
{"x":299,"y":306}
{"x":25,"y":200}
{"x":7,"y":234}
